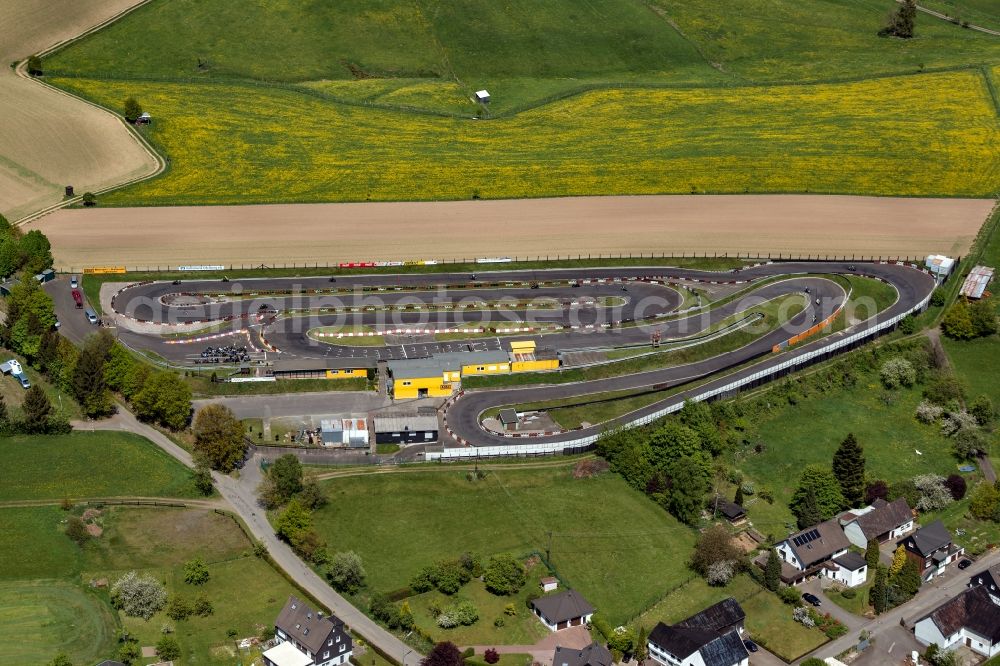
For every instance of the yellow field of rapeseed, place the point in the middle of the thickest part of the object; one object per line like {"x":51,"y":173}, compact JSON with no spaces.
{"x":932,"y":134}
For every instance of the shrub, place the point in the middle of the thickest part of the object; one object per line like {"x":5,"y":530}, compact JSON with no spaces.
{"x":195,"y":572}
{"x":789,"y":595}
{"x":896,"y":372}
{"x":499,"y":622}
{"x":465,"y":613}
{"x":346,"y":572}
{"x":179,"y":609}
{"x":76,"y":530}
{"x":167,"y":649}
{"x":934,"y":494}
{"x":504,"y":575}
{"x":938,"y":297}
{"x":203,"y":606}
{"x":803,"y":617}
{"x":849,"y":593}
{"x":928,"y":412}
{"x":953,"y":422}
{"x":982,"y":410}
{"x":720,"y":573}
{"x":491,"y":656}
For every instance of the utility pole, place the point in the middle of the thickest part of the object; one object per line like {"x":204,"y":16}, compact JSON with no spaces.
{"x":548,"y":550}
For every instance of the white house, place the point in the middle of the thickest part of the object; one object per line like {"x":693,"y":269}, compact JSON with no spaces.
{"x":851,"y":569}
{"x":809,"y":552}
{"x":308,"y":638}
{"x":970,"y":619}
{"x":713,"y":637}
{"x":562,"y":610}
{"x":882,"y":521}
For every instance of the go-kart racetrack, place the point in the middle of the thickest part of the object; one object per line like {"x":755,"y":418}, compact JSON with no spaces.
{"x":646,"y":296}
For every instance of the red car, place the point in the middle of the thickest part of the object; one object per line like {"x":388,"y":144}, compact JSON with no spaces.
{"x":78,"y":298}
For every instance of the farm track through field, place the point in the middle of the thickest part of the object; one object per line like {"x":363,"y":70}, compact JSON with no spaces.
{"x":122,"y":499}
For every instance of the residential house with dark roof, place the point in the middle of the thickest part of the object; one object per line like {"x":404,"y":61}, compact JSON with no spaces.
{"x":851,"y":569}
{"x":971,"y":619}
{"x":713,"y":637}
{"x":882,"y":521}
{"x":811,"y":552}
{"x":592,"y":655}
{"x":563,"y":609}
{"x":989,"y":580}
{"x":308,"y":638}
{"x":932,"y":549}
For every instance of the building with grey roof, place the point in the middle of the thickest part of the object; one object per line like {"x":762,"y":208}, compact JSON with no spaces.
{"x":405,"y":428}
{"x":592,"y":655}
{"x":713,"y":637}
{"x":562,"y":609}
{"x":308,"y":638}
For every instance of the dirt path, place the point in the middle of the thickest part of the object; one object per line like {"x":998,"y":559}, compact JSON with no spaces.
{"x":368,"y":471}
{"x":49,"y":139}
{"x":124,"y":499}
{"x":755,"y":225}
{"x":945,"y":17}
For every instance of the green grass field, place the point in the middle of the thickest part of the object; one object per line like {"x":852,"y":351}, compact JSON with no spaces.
{"x":89,"y":464}
{"x":45,"y":597}
{"x":810,"y":431}
{"x":400,"y":523}
{"x":985,"y":13}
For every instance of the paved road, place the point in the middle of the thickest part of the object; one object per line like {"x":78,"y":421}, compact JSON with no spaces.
{"x":241,"y":497}
{"x":931,"y":596}
{"x":912,"y":287}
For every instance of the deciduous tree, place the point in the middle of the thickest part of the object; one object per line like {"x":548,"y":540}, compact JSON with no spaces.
{"x":504,"y":574}
{"x":218,"y":437}
{"x":195,"y":572}
{"x":443,"y":654}
{"x":957,"y":321}
{"x":138,"y":596}
{"x":166,"y":399}
{"x":132,"y":109}
{"x":346,"y":572}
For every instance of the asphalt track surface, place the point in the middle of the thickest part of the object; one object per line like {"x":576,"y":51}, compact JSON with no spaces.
{"x":154,"y":301}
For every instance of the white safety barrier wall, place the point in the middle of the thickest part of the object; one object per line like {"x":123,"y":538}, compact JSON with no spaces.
{"x":559,"y":447}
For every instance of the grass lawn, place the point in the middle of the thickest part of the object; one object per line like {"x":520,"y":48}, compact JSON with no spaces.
{"x":858,"y":605}
{"x":40,"y":618}
{"x":769,"y":621}
{"x":89,"y":464}
{"x":977,"y":362}
{"x":520,"y":629}
{"x":836,"y":138}
{"x":41,"y":568}
{"x":810,"y":431}
{"x":13,"y":393}
{"x":399,"y":523}
{"x":975,"y":535}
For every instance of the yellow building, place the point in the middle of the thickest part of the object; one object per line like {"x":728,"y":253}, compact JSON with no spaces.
{"x":333,"y":368}
{"x":421,"y":378}
{"x":525,"y":358}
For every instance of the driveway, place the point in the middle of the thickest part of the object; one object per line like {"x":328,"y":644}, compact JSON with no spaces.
{"x":849,"y":620}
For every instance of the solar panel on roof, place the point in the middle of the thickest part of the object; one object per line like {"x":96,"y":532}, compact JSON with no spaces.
{"x":805,"y":538}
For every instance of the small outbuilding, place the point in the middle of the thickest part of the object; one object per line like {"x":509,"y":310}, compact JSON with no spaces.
{"x":976,"y":282}
{"x":350,"y":432}
{"x":483,"y":96}
{"x":549,"y":584}
{"x":508,"y":419}
{"x":401,"y":428}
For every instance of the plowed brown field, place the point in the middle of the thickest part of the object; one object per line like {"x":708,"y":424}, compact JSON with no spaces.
{"x":748,"y":225}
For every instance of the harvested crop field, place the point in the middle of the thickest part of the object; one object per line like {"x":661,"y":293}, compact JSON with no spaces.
{"x":324,"y":233}
{"x":48,"y":139}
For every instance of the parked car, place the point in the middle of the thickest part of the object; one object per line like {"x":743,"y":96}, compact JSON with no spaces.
{"x":91,"y":317}
{"x":812,"y":599}
{"x":73,"y":284}
{"x":965,"y":564}
{"x":750,"y":645}
{"x":25,"y":384}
